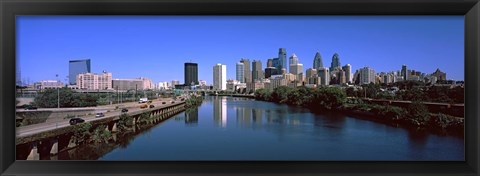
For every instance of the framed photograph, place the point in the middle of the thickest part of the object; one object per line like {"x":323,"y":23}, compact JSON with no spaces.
{"x":251,"y":87}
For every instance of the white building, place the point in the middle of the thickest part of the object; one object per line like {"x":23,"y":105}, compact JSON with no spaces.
{"x":367,"y":75}
{"x":92,"y":81}
{"x":51,"y":84}
{"x":220,"y":77}
{"x":324,"y":74}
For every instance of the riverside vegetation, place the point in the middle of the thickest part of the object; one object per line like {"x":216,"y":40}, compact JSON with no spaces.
{"x":319,"y":99}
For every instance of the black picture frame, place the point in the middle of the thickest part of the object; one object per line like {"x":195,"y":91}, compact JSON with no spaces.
{"x":10,"y":8}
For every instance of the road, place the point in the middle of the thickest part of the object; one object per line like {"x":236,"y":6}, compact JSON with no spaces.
{"x":131,"y":106}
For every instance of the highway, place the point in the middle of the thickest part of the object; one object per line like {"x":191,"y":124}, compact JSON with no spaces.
{"x":131,"y":106}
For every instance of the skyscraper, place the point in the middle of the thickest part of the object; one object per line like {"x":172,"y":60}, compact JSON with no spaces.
{"x":282,"y":58}
{"x":324,"y":74}
{"x":367,"y":75}
{"x":220,"y":77}
{"x":240,"y":72}
{"x":257,"y":72}
{"x":348,"y":73}
{"x":317,"y":61}
{"x":191,"y":73}
{"x":270,"y":63}
{"x":335,"y":62}
{"x":77,"y":67}
{"x":404,"y":72}
{"x":246,"y":70}
{"x":293,"y":59}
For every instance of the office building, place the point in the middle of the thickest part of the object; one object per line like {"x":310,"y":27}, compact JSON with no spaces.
{"x":324,"y":74}
{"x":92,"y":81}
{"x":367,"y":75}
{"x":335,"y":62}
{"x":270,"y":63}
{"x":220,"y":77}
{"x":257,"y":72}
{"x":269,"y":71}
{"x":247,"y":73}
{"x":317,"y":61}
{"x":76,"y":67}
{"x":50,"y":84}
{"x":191,"y":74}
{"x":282,"y":58}
{"x":348,"y":73}
{"x":127,"y":84}
{"x":240,"y":72}
{"x":441,"y":76}
{"x":404,"y":72}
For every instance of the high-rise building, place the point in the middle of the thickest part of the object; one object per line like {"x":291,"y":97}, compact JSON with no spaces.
{"x":282,"y":58}
{"x":311,"y":72}
{"x":76,"y":67}
{"x":404,"y":72}
{"x":335,"y":62}
{"x":348,"y":73}
{"x":240,"y":72}
{"x":257,"y":72}
{"x":270,"y":63}
{"x":269,"y":71}
{"x":317,"y":61}
{"x":367,"y":75}
{"x":220,"y":77}
{"x":324,"y":74}
{"x":293,"y":60}
{"x":91,"y":81}
{"x":246,"y":70}
{"x":441,"y":76}
{"x":191,"y":74}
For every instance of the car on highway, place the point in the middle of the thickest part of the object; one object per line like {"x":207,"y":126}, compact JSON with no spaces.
{"x":76,"y":120}
{"x":152,"y":106}
{"x":30,"y":107}
{"x":173,"y":102}
{"x":99,"y":115}
{"x":124,"y":110}
{"x":163,"y":102}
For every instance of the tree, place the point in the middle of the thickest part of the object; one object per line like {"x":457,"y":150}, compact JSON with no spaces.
{"x":279,"y":94}
{"x":418,"y":113}
{"x":328,"y":98}
{"x":263,"y":94}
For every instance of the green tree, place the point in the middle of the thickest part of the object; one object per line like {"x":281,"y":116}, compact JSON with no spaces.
{"x":81,"y":132}
{"x":124,"y":122}
{"x":263,"y":94}
{"x":328,"y":98}
{"x":418,"y":113}
{"x":101,"y":134}
{"x":279,"y":94}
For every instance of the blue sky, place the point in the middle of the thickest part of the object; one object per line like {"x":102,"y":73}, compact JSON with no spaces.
{"x":157,"y":46}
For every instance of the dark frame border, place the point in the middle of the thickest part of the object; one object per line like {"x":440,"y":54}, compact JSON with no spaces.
{"x":10,"y":8}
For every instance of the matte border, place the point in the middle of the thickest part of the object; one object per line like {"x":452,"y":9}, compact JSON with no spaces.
{"x":10,"y":8}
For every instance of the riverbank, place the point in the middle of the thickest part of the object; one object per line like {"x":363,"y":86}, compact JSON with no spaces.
{"x":414,"y":116}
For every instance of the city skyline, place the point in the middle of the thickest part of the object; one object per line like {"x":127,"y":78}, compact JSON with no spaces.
{"x":131,"y":47}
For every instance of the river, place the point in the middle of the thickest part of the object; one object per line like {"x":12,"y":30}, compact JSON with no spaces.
{"x":230,"y":128}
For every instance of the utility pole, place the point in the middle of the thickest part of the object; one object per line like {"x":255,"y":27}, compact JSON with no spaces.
{"x":58,"y":93}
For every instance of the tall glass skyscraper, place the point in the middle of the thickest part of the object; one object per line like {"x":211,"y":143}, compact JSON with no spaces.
{"x":335,"y":62}
{"x":317,"y":61}
{"x":282,"y":58}
{"x":191,"y":73}
{"x":240,"y":72}
{"x":77,"y":67}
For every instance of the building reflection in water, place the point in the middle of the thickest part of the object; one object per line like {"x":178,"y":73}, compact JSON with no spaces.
{"x":220,"y":111}
{"x":191,"y":117}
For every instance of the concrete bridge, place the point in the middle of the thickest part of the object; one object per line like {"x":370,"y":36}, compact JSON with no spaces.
{"x":52,"y":140}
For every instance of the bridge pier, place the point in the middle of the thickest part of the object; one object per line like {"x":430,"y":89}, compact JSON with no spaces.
{"x":33,"y":154}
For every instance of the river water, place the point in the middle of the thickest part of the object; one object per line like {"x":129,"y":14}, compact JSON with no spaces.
{"x":230,"y":128}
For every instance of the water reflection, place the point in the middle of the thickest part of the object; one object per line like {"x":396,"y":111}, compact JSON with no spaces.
{"x":220,"y":111}
{"x":191,"y":117}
